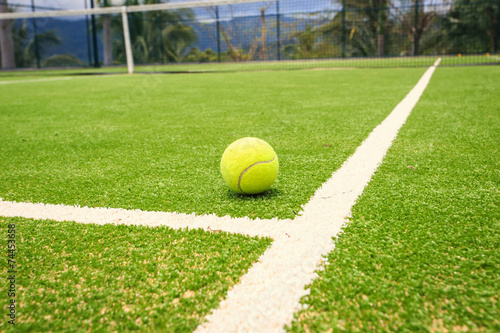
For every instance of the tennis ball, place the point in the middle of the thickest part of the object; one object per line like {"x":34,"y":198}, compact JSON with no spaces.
{"x":249,"y":166}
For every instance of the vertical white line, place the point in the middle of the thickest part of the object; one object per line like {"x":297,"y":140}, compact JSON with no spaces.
{"x":128,"y":45}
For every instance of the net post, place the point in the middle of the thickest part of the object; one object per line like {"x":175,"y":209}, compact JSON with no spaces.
{"x":126,"y":37}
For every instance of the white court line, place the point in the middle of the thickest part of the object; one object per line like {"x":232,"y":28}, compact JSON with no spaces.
{"x":267,"y":296}
{"x":61,"y":78}
{"x":245,"y":226}
{"x":37,"y":80}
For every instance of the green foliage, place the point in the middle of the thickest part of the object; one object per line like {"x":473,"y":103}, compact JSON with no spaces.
{"x":24,"y":46}
{"x":20,"y":36}
{"x":422,"y":249}
{"x":366,"y":20}
{"x":156,"y":36}
{"x":176,"y":41}
{"x":194,"y":55}
{"x":472,"y":27}
{"x":86,"y":277}
{"x":45,"y":40}
{"x":382,"y":27}
{"x":307,"y":39}
{"x":62,"y":60}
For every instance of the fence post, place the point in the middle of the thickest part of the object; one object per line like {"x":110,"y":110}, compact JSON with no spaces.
{"x":415,"y":32}
{"x":89,"y":50}
{"x":218,"y":32}
{"x":382,"y":18}
{"x":35,"y":36}
{"x":278,"y":28}
{"x":343,"y":28}
{"x":94,"y":37}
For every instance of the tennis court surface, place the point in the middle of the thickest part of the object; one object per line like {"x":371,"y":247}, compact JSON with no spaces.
{"x":384,"y":216}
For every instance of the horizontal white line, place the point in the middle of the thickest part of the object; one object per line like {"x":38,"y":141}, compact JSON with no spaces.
{"x":245,"y":226}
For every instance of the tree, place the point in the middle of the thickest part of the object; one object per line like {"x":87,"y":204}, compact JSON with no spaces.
{"x":45,"y":40}
{"x":367,"y":24}
{"x":20,"y":35}
{"x":472,"y":26}
{"x":414,"y":21}
{"x":263,"y":34}
{"x":24,"y":46}
{"x":155,"y":36}
{"x":6,"y":41}
{"x":167,"y":35}
{"x":307,"y":39}
{"x":382,"y":22}
{"x":176,"y":41}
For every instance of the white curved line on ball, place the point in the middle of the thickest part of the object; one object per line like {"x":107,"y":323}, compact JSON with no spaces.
{"x":248,"y":168}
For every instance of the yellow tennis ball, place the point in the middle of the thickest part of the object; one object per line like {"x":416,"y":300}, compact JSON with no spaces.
{"x":249,"y":166}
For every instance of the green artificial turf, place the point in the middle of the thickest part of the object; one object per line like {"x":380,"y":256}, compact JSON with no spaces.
{"x":292,"y":64}
{"x":154,"y":142}
{"x":77,"y":277}
{"x":386,"y":62}
{"x":51,"y":72}
{"x":422,"y":250}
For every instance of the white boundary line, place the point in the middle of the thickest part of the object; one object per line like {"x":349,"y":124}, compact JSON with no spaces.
{"x":268,"y":295}
{"x":61,"y":78}
{"x":36,"y":80}
{"x":245,"y":226}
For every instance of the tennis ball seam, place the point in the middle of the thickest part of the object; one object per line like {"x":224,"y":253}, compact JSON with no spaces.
{"x":249,"y":167}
